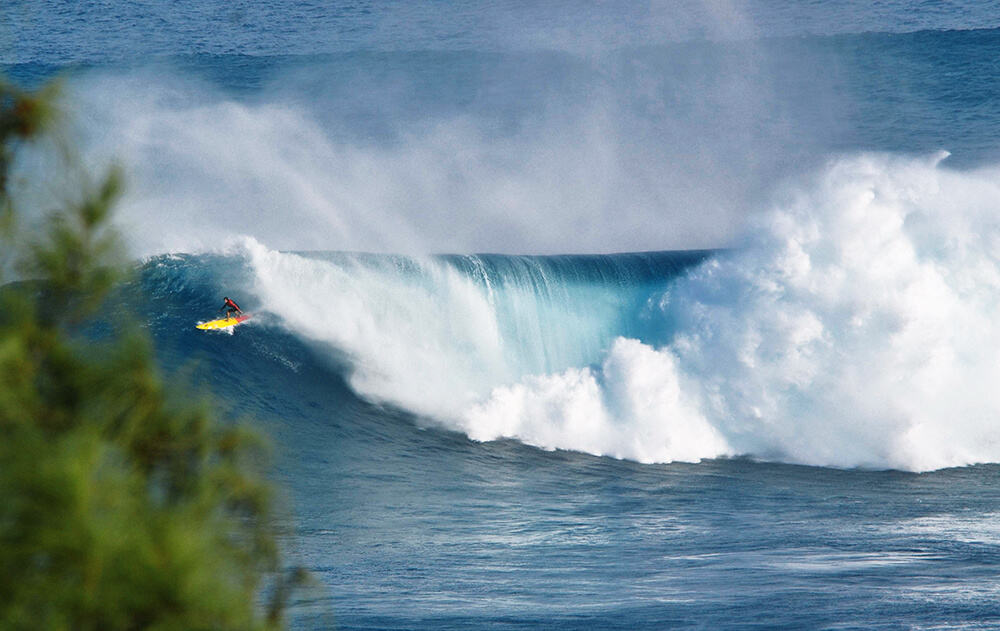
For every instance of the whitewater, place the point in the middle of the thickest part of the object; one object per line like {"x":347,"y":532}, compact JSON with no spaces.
{"x":851,"y":325}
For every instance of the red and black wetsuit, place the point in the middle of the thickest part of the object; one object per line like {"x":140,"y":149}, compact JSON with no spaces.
{"x":231,"y":308}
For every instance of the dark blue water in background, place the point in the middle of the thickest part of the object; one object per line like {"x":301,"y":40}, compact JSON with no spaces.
{"x":410,"y":526}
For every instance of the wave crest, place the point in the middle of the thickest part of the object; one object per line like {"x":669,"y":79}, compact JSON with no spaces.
{"x":852,"y":327}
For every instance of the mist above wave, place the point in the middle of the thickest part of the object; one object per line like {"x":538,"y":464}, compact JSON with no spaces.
{"x":439,"y":152}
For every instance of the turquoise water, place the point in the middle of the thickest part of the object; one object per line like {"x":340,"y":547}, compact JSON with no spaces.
{"x":730,"y":364}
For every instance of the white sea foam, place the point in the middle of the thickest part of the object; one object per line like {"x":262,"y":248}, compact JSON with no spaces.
{"x":634,"y":408}
{"x":853,"y":326}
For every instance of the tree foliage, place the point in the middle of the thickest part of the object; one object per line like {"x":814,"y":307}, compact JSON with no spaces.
{"x":122,"y":504}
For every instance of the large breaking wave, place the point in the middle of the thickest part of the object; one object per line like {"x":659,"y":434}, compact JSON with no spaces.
{"x":854,"y":325}
{"x":849,"y":325}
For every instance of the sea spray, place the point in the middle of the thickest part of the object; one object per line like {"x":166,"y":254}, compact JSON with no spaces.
{"x":465,"y":151}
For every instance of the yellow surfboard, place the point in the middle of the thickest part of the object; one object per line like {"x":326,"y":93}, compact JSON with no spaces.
{"x":222,"y":323}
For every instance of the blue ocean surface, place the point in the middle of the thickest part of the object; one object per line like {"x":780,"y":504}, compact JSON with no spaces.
{"x":576,"y":315}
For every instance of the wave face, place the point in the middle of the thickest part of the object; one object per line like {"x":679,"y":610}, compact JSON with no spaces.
{"x":436,"y":334}
{"x":852,"y":326}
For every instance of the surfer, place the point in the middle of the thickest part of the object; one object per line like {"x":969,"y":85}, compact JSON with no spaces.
{"x":230,"y":307}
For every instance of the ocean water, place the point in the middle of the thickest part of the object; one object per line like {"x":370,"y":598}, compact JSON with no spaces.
{"x":576,"y":315}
